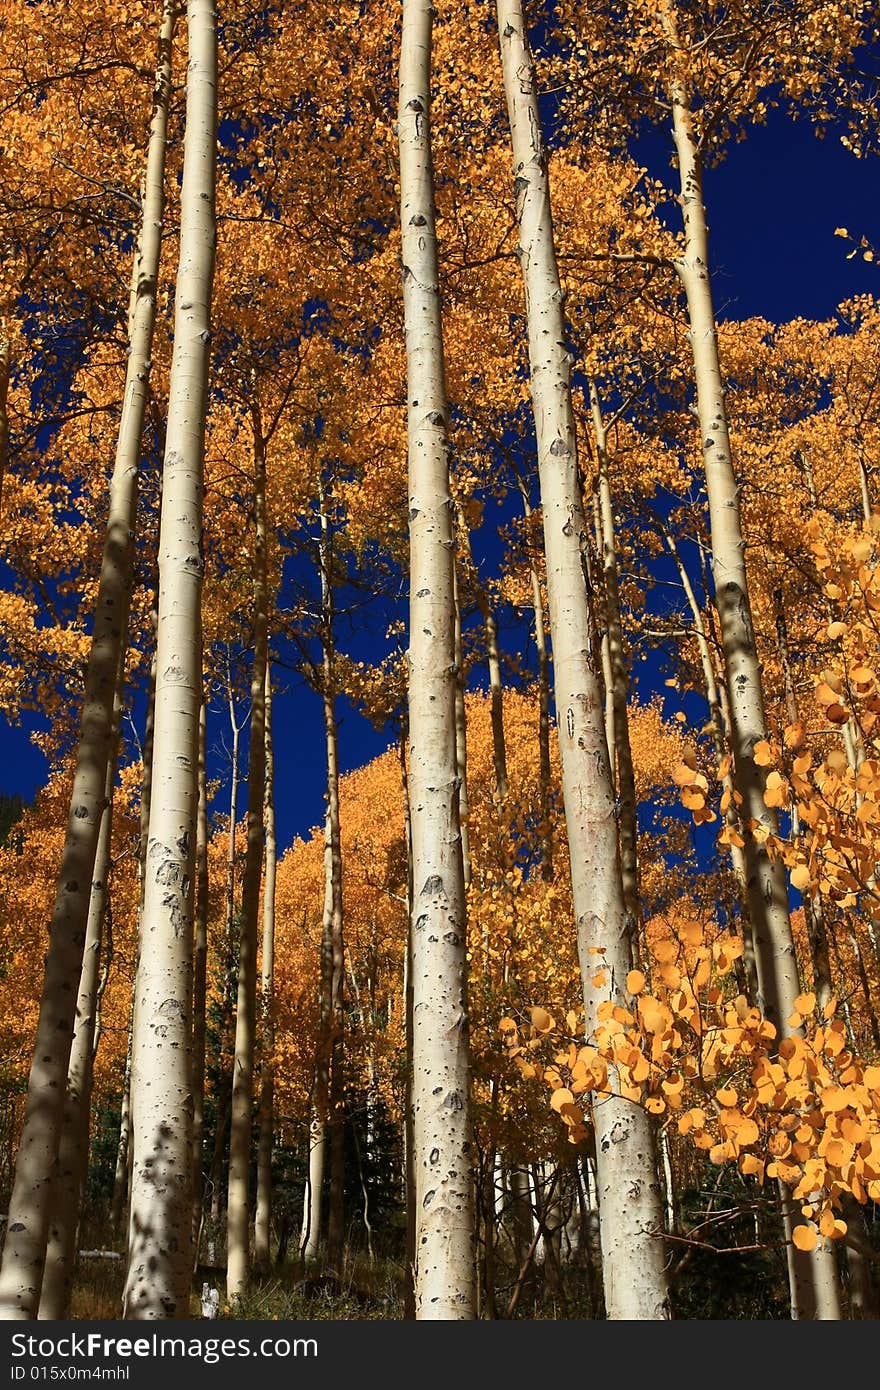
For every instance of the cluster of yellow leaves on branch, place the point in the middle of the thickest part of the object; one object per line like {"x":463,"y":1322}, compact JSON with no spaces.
{"x":823,"y":770}
{"x":690,"y":1049}
{"x":836,"y":797}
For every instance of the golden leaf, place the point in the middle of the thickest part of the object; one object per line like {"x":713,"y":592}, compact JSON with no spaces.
{"x":804,"y":1237}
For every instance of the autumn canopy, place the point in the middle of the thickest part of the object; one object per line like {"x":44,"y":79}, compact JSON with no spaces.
{"x":371,"y":425}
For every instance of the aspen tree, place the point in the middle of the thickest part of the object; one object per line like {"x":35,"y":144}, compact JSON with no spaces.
{"x":241,"y":1115}
{"x":25,"y":1246}
{"x":461,"y":736}
{"x":160,"y":1229}
{"x":5,"y":367}
{"x":123,"y":1145}
{"x":200,"y":977}
{"x":813,"y":907}
{"x":493,"y":659}
{"x":814,"y":1284}
{"x":619,"y":684}
{"x":73,"y":1149}
{"x":543,"y":694}
{"x":263,"y":1209}
{"x":310,"y":1234}
{"x":631,"y":1215}
{"x":326,"y":1132}
{"x":335,"y":940}
{"x":442,"y":1138}
{"x":230,"y":963}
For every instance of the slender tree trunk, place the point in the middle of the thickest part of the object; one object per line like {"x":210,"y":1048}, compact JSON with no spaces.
{"x":493,"y":661}
{"x":461,"y":738}
{"x":120,"y":1175}
{"x":604,"y":640}
{"x":630,"y":1195}
{"x":717,"y":720}
{"x":5,"y":366}
{"x":28,"y":1219}
{"x":813,"y":909}
{"x":160,"y":1227}
{"x":442,"y":1136}
{"x":263,"y":1218}
{"x":313,"y":1195}
{"x":409,"y":1169}
{"x":123,"y":1148}
{"x":73,"y":1150}
{"x":241,"y":1117}
{"x":546,"y":830}
{"x":335,"y":1116}
{"x":318,"y":1128}
{"x":863,"y":1301}
{"x":200,"y":979}
{"x":777,"y":967}
{"x":814,"y":1284}
{"x":230,"y":974}
{"x":627,"y":800}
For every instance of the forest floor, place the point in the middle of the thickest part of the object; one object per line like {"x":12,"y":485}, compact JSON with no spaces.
{"x":287,"y":1294}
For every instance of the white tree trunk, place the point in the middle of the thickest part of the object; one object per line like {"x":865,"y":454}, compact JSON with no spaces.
{"x":241,"y":1116}
{"x":443,"y":1146}
{"x":627,"y":817}
{"x":200,"y":980}
{"x":630,"y":1200}
{"x":25,"y":1247}
{"x":73,"y":1150}
{"x":263,"y":1214}
{"x":160,"y":1234}
{"x":813,"y":1280}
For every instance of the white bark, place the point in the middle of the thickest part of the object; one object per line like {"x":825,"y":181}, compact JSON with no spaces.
{"x":627,"y":817}
{"x":310,"y":1237}
{"x":630,"y":1204}
{"x":200,"y":981}
{"x":263,"y":1214}
{"x":27,"y":1230}
{"x":73,"y":1150}
{"x":160,"y":1234}
{"x":241,"y":1116}
{"x":814,"y":1284}
{"x":5,"y":366}
{"x":443,"y":1150}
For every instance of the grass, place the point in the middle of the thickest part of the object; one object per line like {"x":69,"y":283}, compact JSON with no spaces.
{"x":362,"y":1292}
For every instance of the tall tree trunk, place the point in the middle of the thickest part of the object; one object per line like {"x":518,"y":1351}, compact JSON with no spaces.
{"x":627,"y":821}
{"x":409,"y":1169}
{"x":5,"y":365}
{"x":230,"y":973}
{"x":461,"y":737}
{"x":200,"y":979}
{"x":313,"y":1195}
{"x":335,"y":1115}
{"x":28,"y":1218}
{"x":718,"y":723}
{"x":160,"y":1229}
{"x":241,"y":1117}
{"x":630,"y":1195}
{"x":813,"y":907}
{"x":73,"y":1150}
{"x":814,"y":1284}
{"x":493,"y":661}
{"x":601,"y":618}
{"x":263,"y":1216}
{"x":120,"y":1174}
{"x":442,"y":1136}
{"x":546,"y":831}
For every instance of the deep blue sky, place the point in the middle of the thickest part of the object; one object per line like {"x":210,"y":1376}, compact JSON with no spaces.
{"x":773,"y":207}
